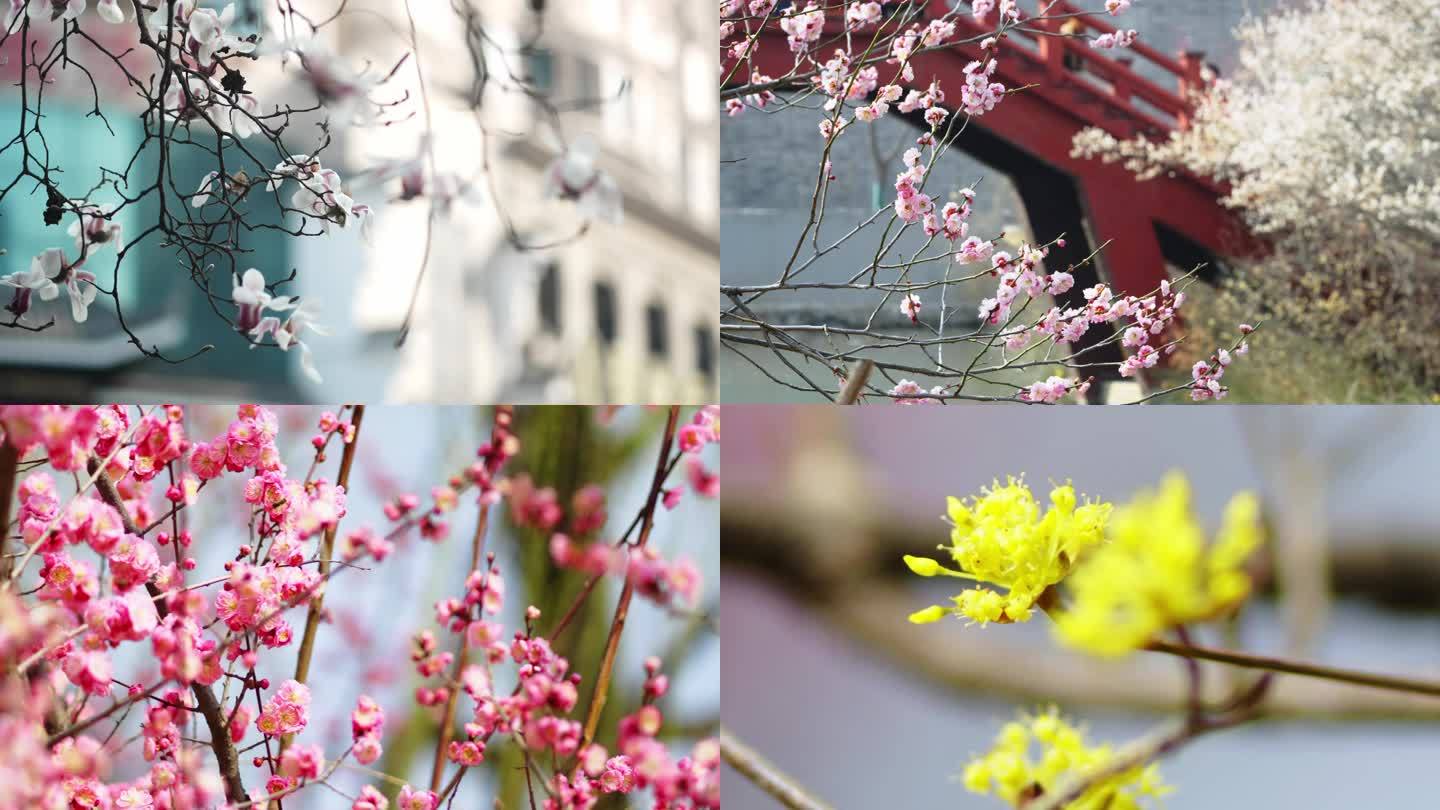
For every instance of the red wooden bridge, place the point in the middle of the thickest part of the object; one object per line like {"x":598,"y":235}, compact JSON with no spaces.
{"x":1072,"y":86}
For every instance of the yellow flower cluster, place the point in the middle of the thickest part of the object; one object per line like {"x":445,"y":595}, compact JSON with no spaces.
{"x":1002,"y":539}
{"x":1008,"y":771}
{"x":1156,"y":571}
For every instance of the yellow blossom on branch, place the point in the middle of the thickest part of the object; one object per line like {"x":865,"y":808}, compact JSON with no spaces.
{"x":1001,"y":538}
{"x":1156,"y":571}
{"x":1010,"y":772}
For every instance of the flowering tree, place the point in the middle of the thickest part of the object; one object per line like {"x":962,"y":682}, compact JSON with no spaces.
{"x":100,"y":578}
{"x":1326,"y":137}
{"x":852,"y":64}
{"x":180,"y":69}
{"x":1111,"y":580}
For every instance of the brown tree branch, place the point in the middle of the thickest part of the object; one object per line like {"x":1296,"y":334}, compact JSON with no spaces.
{"x":9,"y":464}
{"x":622,"y":609}
{"x":764,"y":775}
{"x":1393,"y":683}
{"x":447,"y":718}
{"x":501,"y":419}
{"x":209,"y":706}
{"x":327,"y":550}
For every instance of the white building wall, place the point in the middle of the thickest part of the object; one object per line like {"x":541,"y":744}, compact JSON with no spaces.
{"x":477,"y":334}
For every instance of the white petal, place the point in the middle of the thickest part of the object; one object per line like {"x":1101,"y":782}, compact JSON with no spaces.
{"x":48,"y":262}
{"x":110,"y":11}
{"x":79,"y":307}
{"x":307,"y":364}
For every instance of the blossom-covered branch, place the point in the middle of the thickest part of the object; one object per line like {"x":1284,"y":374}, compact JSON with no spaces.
{"x":115,"y":585}
{"x":1039,"y":337}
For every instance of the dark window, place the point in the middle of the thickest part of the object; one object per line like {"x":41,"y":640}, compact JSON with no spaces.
{"x":586,"y":81}
{"x":550,"y":298}
{"x":540,"y":69}
{"x":658,"y":336}
{"x":605,"y":312}
{"x":705,"y":351}
{"x":247,"y":16}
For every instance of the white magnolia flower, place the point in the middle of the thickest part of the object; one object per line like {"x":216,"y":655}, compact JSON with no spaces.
{"x":112,"y":11}
{"x":416,"y":180}
{"x":344,"y":91}
{"x":94,"y":229}
{"x":52,"y":9}
{"x":158,"y":22}
{"x":182,"y":105}
{"x":297,"y":166}
{"x":26,"y":284}
{"x":574,"y":176}
{"x":79,"y":284}
{"x":207,"y":35}
{"x":287,"y":335}
{"x":252,"y":299}
{"x":319,"y":194}
{"x":202,"y":194}
{"x":447,"y":189}
{"x":307,"y":364}
{"x":239,"y":119}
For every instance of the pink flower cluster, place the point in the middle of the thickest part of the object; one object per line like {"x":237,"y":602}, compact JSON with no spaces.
{"x":909,"y":392}
{"x":703,"y":429}
{"x":1119,"y":39}
{"x":863,"y":15}
{"x":979,"y":95}
{"x":910,"y":202}
{"x":539,"y":508}
{"x":1020,"y":276}
{"x":653,"y":577}
{"x":837,"y":81}
{"x":1053,"y":389}
{"x":952,"y":218}
{"x":367,"y":723}
{"x":287,"y":711}
{"x":248,"y":444}
{"x":67,"y":434}
{"x":641,"y":762}
{"x":1205,"y":375}
{"x":803,"y":27}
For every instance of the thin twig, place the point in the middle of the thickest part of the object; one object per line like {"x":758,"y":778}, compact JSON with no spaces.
{"x":501,"y":419}
{"x":622,"y":610}
{"x":9,"y":464}
{"x":855,"y":384}
{"x":1391,"y":682}
{"x":327,"y":550}
{"x":764,"y":775}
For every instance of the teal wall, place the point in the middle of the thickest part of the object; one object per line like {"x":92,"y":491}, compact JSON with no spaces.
{"x":152,"y":279}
